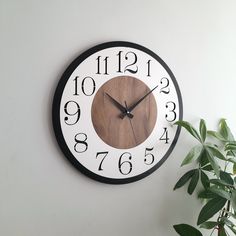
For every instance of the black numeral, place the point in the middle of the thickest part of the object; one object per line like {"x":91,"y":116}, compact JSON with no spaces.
{"x":148,"y":69}
{"x":99,"y":63}
{"x":130,"y":57}
{"x":76,"y":85}
{"x":88,"y":86}
{"x":165,"y":82}
{"x":72,"y":109}
{"x":104,"y":154}
{"x":149,"y":157}
{"x":119,"y":61}
{"x":171,"y":106}
{"x":80,"y":142}
{"x":125,"y":166}
{"x":164,"y":136}
{"x":85,"y":85}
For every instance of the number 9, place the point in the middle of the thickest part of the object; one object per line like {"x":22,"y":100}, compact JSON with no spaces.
{"x":72,"y":109}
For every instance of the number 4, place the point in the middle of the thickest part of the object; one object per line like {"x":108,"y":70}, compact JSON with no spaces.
{"x":164,"y":136}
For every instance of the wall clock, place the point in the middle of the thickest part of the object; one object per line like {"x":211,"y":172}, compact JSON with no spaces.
{"x":113,"y":111}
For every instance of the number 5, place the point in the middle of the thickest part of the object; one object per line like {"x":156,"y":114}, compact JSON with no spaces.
{"x":148,"y":156}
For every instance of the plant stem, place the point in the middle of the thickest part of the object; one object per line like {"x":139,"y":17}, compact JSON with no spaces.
{"x":212,"y":231}
{"x":227,"y":209}
{"x":221,"y":227}
{"x":224,"y":213}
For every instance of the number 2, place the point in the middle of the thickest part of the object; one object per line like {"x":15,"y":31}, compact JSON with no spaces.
{"x":165,"y":89}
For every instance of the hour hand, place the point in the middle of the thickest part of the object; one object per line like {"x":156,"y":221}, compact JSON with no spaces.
{"x":120,"y":107}
{"x":129,"y":109}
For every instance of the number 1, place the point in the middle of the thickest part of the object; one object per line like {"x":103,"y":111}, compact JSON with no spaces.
{"x":149,"y":64}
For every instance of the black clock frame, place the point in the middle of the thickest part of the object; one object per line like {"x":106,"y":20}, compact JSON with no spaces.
{"x":56,"y":112}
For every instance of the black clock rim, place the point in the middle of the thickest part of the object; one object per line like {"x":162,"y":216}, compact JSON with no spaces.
{"x":56,"y":112}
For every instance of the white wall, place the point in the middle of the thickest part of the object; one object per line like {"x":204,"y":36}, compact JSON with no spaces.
{"x":40,"y":192}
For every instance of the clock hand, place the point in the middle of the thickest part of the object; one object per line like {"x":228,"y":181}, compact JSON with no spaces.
{"x":131,"y":125}
{"x":120,"y":107}
{"x":136,"y":103}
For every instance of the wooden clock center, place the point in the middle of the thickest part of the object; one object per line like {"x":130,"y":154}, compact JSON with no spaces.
{"x":114,"y":122}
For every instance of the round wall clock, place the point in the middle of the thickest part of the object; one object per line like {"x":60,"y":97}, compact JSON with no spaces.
{"x":113,"y":111}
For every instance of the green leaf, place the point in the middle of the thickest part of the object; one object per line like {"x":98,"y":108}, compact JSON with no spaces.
{"x":231,"y":153}
{"x":203,"y":130}
{"x":233,"y":200}
{"x":194,"y":153}
{"x":187,"y":230}
{"x":231,"y":214}
{"x":209,"y":224}
{"x":234,"y":169}
{"x":226,"y":221}
{"x":207,"y":168}
{"x":220,"y":192}
{"x":189,"y":128}
{"x":210,"y":209}
{"x":216,"y":135}
{"x":230,"y":147}
{"x":225,"y":131}
{"x":226,"y":177}
{"x":193,"y":182}
{"x":232,"y":229}
{"x":232,"y":142}
{"x":215,"y":152}
{"x":205,"y":180}
{"x":184,"y":179}
{"x":233,"y":160}
{"x":220,"y":182}
{"x":203,"y":159}
{"x":213,"y":163}
{"x":206,"y":194}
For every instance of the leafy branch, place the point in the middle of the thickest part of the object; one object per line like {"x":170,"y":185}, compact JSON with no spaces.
{"x":219,"y":186}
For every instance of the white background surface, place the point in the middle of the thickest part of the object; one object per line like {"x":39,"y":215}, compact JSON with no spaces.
{"x":40,"y":192}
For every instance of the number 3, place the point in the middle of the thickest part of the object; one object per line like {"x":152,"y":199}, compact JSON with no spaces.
{"x":171,"y":106}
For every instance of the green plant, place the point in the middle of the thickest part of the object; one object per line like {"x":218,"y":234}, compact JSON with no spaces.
{"x":215,"y":158}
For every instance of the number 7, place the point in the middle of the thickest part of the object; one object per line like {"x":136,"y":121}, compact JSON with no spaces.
{"x":104,"y":156}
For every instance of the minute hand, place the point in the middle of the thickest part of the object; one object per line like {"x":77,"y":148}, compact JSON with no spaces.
{"x":129,"y":109}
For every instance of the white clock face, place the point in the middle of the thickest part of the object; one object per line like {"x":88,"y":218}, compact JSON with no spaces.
{"x":113,"y":112}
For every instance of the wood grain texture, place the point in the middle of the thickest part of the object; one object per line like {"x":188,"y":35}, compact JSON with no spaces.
{"x":123,"y":133}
